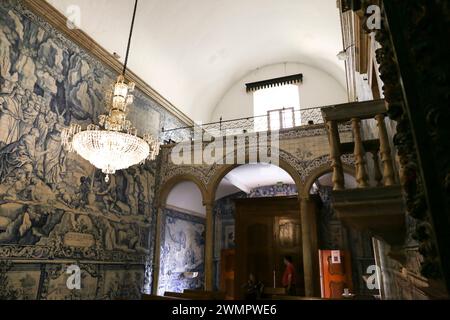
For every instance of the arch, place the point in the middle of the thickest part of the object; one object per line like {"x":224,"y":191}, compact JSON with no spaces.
{"x":225,"y":169}
{"x":173,"y":181}
{"x":317,"y":173}
{"x":285,"y":162}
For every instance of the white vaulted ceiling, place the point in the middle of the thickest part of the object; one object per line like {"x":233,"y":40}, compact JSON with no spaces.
{"x":250,"y":176}
{"x":192,"y":51}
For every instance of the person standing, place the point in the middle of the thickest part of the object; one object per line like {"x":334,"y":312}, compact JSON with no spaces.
{"x":289,"y":276}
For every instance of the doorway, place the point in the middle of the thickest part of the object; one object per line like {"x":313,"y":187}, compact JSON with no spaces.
{"x":267,"y":229}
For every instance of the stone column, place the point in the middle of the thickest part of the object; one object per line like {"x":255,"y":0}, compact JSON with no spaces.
{"x":310,"y":247}
{"x":209,"y":246}
{"x":156,"y":259}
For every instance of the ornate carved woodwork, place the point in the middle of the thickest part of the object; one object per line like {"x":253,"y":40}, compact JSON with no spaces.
{"x":414,"y":68}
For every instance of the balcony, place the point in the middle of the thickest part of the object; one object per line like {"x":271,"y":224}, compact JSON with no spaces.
{"x":378,"y":206}
{"x":330,"y":134}
{"x":281,"y":120}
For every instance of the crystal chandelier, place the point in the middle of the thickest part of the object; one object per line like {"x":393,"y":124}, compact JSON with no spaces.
{"x":113,"y":144}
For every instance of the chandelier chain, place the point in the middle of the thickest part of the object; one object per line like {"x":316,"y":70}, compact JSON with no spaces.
{"x":129,"y":38}
{"x":113,"y":144}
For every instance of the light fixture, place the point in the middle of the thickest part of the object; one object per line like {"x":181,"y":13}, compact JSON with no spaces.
{"x":113,"y":144}
{"x":343,"y":55}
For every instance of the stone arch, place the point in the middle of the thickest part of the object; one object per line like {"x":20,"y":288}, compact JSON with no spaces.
{"x":317,"y":173}
{"x":309,"y":222}
{"x":173,"y":181}
{"x":304,"y":174}
{"x":160,"y":202}
{"x":222,"y":170}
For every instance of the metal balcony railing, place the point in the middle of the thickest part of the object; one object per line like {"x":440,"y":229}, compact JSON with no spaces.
{"x":279,"y":119}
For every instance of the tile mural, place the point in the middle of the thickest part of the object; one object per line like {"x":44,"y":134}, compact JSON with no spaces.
{"x":182,"y":252}
{"x":54,"y":205}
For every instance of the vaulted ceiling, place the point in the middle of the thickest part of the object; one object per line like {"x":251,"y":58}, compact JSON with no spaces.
{"x":192,"y":51}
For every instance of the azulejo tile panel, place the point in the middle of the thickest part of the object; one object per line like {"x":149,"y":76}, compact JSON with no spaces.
{"x":53,"y":205}
{"x":182,"y":252}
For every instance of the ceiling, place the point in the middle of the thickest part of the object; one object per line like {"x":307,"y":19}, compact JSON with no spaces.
{"x":192,"y":51}
{"x":250,"y":176}
{"x":186,"y":196}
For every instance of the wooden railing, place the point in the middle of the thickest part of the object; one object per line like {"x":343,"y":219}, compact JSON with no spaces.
{"x":379,"y":148}
{"x":375,"y":205}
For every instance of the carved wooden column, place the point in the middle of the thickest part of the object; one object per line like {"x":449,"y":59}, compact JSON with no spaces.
{"x":209,"y":246}
{"x":385,"y":152}
{"x":335,"y":156}
{"x":157,"y":255}
{"x":310,"y":247}
{"x":360,"y":163}
{"x":376,"y":168}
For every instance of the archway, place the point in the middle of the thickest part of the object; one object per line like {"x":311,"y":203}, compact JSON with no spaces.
{"x":310,"y":218}
{"x":290,"y":180}
{"x":180,"y":224}
{"x":169,"y":184}
{"x":319,"y":172}
{"x":225,"y":169}
{"x":305,"y":204}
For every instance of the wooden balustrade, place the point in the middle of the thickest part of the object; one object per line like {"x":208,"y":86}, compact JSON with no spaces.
{"x":335,"y":156}
{"x":377,"y":175}
{"x":385,"y":152}
{"x":360,"y":163}
{"x":356,"y":112}
{"x":377,"y":207}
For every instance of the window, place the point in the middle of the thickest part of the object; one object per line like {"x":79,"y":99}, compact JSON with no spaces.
{"x":279,"y":104}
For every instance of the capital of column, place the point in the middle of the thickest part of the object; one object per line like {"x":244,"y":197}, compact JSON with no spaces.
{"x":209,"y":206}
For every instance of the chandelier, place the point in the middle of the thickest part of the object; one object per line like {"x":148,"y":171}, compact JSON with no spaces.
{"x":113,"y":144}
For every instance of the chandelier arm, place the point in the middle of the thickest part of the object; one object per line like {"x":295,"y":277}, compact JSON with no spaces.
{"x":129,"y":39}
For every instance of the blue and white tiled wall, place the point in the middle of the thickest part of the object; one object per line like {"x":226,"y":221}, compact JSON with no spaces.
{"x":182,"y":252}
{"x":54,"y":206}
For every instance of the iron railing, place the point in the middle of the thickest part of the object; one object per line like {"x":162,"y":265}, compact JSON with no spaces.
{"x":274,"y":120}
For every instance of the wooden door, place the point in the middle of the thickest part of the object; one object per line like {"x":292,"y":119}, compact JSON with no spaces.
{"x":258,"y":247}
{"x":267,"y":229}
{"x":288,"y":242}
{"x":335,"y":273}
{"x":227,"y":270}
